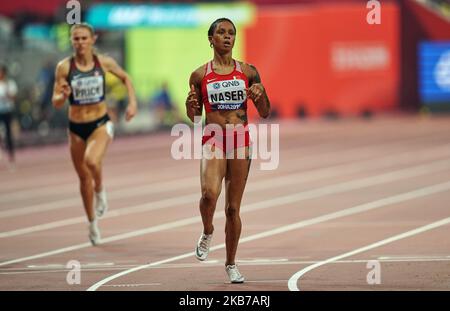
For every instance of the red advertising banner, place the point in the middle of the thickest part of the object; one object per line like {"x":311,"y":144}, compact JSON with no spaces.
{"x":326,"y":58}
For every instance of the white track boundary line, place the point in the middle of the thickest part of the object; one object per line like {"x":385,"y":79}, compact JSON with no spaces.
{"x":218,"y":264}
{"x":311,"y":194}
{"x":346,"y":212}
{"x":117,"y":180}
{"x":293,"y":280}
{"x":114,"y":153}
{"x":51,"y":189}
{"x":303,"y":177}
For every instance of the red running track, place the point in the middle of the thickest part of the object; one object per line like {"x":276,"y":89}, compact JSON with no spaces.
{"x":345,"y":193}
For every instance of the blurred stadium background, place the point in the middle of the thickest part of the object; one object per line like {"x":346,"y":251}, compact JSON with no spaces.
{"x":317,"y":58}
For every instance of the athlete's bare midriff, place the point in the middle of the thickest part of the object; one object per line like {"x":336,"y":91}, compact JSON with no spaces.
{"x":222,"y":118}
{"x":88,"y":113}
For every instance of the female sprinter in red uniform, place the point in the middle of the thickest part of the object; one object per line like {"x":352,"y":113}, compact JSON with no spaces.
{"x":81,"y":79}
{"x":223,"y":86}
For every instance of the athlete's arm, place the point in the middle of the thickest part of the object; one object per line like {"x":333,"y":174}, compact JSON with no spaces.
{"x":111,"y":65}
{"x":257,"y":93}
{"x":193,"y":101}
{"x":61,"y":89}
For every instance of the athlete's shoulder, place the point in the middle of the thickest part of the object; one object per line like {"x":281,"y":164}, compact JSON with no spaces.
{"x":247,"y":68}
{"x":201,"y":70}
{"x":105,"y":60}
{"x":198,"y":74}
{"x":64,"y":62}
{"x":63,"y":65}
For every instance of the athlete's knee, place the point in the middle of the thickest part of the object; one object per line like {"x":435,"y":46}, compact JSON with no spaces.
{"x":232,"y":210}
{"x":84,"y":177}
{"x":210,"y":195}
{"x":92,"y":163}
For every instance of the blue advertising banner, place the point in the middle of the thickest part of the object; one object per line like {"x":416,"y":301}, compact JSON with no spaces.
{"x":434,"y":72}
{"x":113,"y":16}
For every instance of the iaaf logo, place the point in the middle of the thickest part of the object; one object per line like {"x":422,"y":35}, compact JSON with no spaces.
{"x":259,"y":135}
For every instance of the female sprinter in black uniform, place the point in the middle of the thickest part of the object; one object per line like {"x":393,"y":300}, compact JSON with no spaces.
{"x":222,"y":86}
{"x":81,"y":79}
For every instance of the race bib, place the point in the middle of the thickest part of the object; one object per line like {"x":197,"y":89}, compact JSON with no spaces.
{"x":227,"y":94}
{"x":88,"y":90}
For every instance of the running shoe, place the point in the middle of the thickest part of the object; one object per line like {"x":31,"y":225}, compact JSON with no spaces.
{"x":234,"y":274}
{"x":202,"y":249}
{"x":101,"y":203}
{"x":94,"y":233}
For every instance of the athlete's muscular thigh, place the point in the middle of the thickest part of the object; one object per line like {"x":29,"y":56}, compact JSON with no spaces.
{"x":77,"y":152}
{"x":212,"y":172}
{"x":97,"y":145}
{"x":236,"y":177}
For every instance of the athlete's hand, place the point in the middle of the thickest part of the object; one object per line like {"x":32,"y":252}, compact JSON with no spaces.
{"x":192,"y":100}
{"x":255,"y":92}
{"x":65,"y":90}
{"x":131,"y":110}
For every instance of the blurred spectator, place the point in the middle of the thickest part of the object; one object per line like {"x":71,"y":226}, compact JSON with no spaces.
{"x":166,"y":112}
{"x":8,"y":92}
{"x":46,"y":80}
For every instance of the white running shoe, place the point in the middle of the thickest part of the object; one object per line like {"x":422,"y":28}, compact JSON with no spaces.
{"x":202,"y":249}
{"x":234,"y":274}
{"x":101,"y":203}
{"x":94,"y":233}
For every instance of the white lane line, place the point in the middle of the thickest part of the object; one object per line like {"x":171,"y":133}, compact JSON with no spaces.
{"x":69,"y":189}
{"x":84,"y":265}
{"x":133,"y":191}
{"x":155,"y":205}
{"x":115,"y":156}
{"x":162,"y":227}
{"x":346,"y":212}
{"x":115,"y":276}
{"x":62,"y":203}
{"x":262,"y":260}
{"x":401,"y":137}
{"x":303,"y":177}
{"x":42,"y":191}
{"x":288,"y":199}
{"x":263,"y":281}
{"x":134,"y":285}
{"x":294,"y":279}
{"x":216,"y":264}
{"x":406,"y":258}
